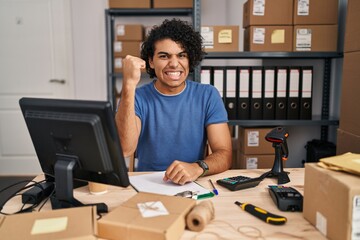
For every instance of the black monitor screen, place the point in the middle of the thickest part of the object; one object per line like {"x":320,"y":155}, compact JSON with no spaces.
{"x":78,"y":135}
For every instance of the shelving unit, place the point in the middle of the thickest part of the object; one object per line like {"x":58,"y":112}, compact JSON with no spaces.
{"x":324,"y":121}
{"x":112,"y":14}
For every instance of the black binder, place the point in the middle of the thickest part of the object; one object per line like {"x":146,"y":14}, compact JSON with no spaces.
{"x":306,"y":93}
{"x":269,"y":93}
{"x":205,"y":75}
{"x":281,"y":80}
{"x":256,"y":79}
{"x":218,"y":81}
{"x":293,"y":93}
{"x":230,"y":92}
{"x":243,"y":88}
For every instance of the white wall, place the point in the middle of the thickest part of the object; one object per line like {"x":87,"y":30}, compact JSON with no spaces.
{"x":88,"y":18}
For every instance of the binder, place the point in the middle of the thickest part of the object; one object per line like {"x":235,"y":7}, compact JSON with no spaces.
{"x":230,"y":93}
{"x":205,"y":74}
{"x":281,"y":80}
{"x":256,"y":107}
{"x":243,"y":88}
{"x":293,"y":93}
{"x":218,"y":81}
{"x":306,"y":93}
{"x":268,"y":93}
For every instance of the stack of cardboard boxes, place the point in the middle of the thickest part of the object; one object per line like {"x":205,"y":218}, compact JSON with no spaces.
{"x":348,"y":134}
{"x":254,"y":151}
{"x":290,"y":25}
{"x":128,"y":39}
{"x":268,"y":25}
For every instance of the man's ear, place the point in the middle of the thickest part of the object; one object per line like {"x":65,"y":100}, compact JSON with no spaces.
{"x":151,"y":63}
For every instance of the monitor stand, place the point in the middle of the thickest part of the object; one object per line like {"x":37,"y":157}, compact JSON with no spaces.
{"x":64,"y":188}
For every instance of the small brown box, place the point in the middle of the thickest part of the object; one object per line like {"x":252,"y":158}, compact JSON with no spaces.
{"x":220,"y":38}
{"x":315,"y":38}
{"x":129,"y":4}
{"x":352,"y":32}
{"x":350,"y":98}
{"x":256,"y":161}
{"x":123,"y":48}
{"x":332,"y":201}
{"x":173,"y":3}
{"x":129,"y":32}
{"x":252,"y":141}
{"x":268,"y":39}
{"x":347,"y":142}
{"x":273,"y":12}
{"x":127,"y":222}
{"x":316,"y":12}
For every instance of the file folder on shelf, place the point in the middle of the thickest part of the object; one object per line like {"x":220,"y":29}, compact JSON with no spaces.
{"x":230,"y":93}
{"x":280,"y":92}
{"x":306,"y":93}
{"x":268,"y":93}
{"x":293,"y":93}
{"x":244,"y":93}
{"x":218,"y":81}
{"x":256,"y":93}
{"x":205,"y":75}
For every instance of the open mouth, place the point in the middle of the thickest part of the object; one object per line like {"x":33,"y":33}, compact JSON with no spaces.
{"x":174,"y":74}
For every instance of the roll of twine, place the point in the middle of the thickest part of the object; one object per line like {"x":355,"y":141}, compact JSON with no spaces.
{"x":200,"y":216}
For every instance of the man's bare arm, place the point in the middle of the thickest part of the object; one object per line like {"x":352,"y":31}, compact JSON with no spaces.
{"x":127,"y":122}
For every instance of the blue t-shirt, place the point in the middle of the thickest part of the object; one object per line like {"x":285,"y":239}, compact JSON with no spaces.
{"x":174,"y":126}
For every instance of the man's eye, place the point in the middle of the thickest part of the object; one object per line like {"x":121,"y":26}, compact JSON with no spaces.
{"x":163,"y":56}
{"x":183,"y":55}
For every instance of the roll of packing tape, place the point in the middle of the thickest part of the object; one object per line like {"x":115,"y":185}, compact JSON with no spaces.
{"x":200,"y":216}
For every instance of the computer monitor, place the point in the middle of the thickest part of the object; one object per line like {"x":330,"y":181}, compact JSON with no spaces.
{"x":75,"y":140}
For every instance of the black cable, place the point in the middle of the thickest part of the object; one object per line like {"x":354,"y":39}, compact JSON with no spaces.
{"x":46,"y":199}
{"x":17,"y":193}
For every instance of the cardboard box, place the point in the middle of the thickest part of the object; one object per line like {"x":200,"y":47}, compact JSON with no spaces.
{"x":268,"y":39}
{"x":252,"y":141}
{"x":315,"y":12}
{"x":315,"y":38}
{"x":70,"y":223}
{"x":173,"y":3}
{"x":332,"y":202}
{"x":347,"y":142}
{"x":129,"y":32}
{"x":256,"y":161}
{"x":220,"y":38}
{"x":350,"y":98}
{"x":352,"y":28}
{"x":127,"y":222}
{"x":129,"y":4}
{"x":273,"y":12}
{"x":123,"y":48}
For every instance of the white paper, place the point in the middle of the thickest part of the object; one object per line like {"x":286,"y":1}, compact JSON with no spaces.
{"x":154,"y":183}
{"x":152,"y":209}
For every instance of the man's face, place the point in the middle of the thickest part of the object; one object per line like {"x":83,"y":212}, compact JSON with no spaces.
{"x":171,"y":65}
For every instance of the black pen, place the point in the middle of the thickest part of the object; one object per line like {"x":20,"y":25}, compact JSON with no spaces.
{"x":214,"y":189}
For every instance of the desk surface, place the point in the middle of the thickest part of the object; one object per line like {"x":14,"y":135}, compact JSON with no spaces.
{"x":228,"y":216}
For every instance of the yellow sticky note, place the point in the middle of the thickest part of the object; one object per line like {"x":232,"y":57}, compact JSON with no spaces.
{"x":49,"y":225}
{"x":278,"y":36}
{"x":225,"y":36}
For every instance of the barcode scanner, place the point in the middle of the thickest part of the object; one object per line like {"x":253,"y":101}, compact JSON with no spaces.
{"x":277,"y":137}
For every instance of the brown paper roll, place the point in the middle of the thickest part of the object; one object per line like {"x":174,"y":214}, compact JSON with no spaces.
{"x":200,"y":216}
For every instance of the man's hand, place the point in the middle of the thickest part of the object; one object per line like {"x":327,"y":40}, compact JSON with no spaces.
{"x":132,"y":69}
{"x":182,"y":172}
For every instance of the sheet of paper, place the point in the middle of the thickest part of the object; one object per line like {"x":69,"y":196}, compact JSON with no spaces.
{"x":154,"y":183}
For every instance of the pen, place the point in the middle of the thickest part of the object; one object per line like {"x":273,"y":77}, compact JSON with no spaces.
{"x":214,"y":189}
{"x":262,"y":214}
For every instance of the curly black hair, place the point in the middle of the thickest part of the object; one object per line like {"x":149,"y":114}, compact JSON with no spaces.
{"x":180,"y":32}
